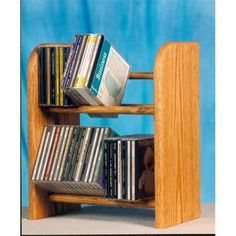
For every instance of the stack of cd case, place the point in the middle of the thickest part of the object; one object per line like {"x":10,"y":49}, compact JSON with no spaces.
{"x":52,"y":63}
{"x":70,"y":159}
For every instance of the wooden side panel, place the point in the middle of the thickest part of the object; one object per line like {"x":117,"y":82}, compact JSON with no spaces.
{"x":39,"y":205}
{"x":177,"y":148}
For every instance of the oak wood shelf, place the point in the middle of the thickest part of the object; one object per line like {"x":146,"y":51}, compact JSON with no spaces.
{"x":124,"y":109}
{"x":175,"y":111}
{"x":99,"y":201}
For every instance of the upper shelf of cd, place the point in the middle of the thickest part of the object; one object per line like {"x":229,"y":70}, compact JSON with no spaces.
{"x":141,"y":109}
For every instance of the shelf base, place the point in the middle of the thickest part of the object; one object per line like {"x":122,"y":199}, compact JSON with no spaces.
{"x":66,"y":198}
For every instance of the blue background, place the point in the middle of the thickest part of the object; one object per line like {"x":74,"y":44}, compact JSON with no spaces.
{"x":136,"y":29}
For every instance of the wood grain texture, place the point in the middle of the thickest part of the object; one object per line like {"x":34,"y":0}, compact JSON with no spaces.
{"x":146,"y":109}
{"x":176,"y":116}
{"x":99,"y":201}
{"x":39,"y":205}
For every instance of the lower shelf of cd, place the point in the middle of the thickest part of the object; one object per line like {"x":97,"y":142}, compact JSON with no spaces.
{"x":67,"y":198}
{"x":86,"y":193}
{"x":71,"y":187}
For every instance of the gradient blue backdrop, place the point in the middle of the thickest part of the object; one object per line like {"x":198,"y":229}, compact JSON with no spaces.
{"x":137,"y":29}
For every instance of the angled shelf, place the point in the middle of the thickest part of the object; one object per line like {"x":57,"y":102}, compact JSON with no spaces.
{"x":138,"y":109}
{"x":175,"y":111}
{"x":99,"y":201}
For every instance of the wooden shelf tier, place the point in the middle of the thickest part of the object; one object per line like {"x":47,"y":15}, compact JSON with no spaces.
{"x":139,"y":109}
{"x":66,"y":198}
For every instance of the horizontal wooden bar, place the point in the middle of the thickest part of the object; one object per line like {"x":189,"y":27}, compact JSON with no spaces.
{"x":145,"y":109}
{"x":66,"y":198}
{"x":141,"y":75}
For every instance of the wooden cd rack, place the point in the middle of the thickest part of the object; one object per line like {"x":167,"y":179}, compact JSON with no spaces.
{"x":175,"y":111}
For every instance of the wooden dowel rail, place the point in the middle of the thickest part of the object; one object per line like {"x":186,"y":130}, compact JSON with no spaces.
{"x":141,"y":75}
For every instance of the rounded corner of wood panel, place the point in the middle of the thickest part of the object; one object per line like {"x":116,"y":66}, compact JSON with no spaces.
{"x":32,"y":57}
{"x":165,"y":50}
{"x":161,"y":51}
{"x":160,"y":57}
